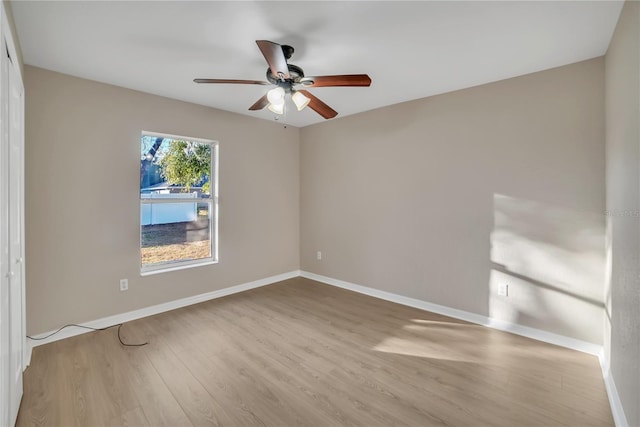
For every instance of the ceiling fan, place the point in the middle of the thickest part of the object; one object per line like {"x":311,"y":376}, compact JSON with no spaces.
{"x":287,"y":77}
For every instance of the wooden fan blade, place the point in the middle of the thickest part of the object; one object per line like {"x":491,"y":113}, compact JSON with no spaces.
{"x":232,"y":81}
{"x":318,"y":106}
{"x":275,"y":58}
{"x":342,"y":80}
{"x":260,"y":103}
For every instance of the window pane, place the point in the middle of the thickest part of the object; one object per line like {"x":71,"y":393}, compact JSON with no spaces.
{"x":166,"y":242}
{"x":172,"y":165}
{"x":177,"y":176}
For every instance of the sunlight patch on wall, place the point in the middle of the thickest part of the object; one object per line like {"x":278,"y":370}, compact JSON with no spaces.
{"x":553,"y":260}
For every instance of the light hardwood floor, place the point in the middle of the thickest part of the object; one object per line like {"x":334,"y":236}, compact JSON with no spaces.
{"x":303,"y":353}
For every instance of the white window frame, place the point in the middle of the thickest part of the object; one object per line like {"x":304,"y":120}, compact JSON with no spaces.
{"x":212,"y":200}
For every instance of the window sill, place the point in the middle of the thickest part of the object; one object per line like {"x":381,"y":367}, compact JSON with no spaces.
{"x":176,"y":267}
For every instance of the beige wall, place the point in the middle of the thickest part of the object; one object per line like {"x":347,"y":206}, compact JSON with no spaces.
{"x":623,"y":206}
{"x":82,"y":203}
{"x":443,"y":198}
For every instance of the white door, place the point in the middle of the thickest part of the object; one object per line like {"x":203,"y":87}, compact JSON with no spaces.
{"x":12,"y":333}
{"x":16,"y":227}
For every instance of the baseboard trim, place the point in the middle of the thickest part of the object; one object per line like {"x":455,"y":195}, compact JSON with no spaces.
{"x":154,"y":309}
{"x":617,"y":410}
{"x":526,"y":331}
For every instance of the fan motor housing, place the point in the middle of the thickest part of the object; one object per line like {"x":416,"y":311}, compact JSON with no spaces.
{"x":295,"y":74}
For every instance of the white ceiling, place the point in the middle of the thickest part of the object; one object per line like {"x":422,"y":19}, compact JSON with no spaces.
{"x":410,"y":49}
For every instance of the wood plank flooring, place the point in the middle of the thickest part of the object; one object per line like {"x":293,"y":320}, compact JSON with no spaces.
{"x":303,"y":353}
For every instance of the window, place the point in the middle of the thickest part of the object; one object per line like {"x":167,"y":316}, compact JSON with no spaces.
{"x":178,"y":202}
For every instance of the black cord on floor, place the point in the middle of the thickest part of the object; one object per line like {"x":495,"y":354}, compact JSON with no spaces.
{"x":119,"y":325}
{"x":128,"y":345}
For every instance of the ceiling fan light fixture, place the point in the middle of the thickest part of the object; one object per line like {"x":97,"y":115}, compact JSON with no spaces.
{"x":300,"y":100}
{"x":277,"y":108}
{"x":285,"y":77}
{"x":276,"y":96}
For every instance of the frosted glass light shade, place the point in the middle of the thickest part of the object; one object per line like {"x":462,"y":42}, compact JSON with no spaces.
{"x":277,"y":108}
{"x":300,"y":100}
{"x":276,"y":96}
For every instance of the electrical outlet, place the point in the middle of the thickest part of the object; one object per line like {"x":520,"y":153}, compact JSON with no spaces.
{"x":124,"y":285}
{"x":319,"y":255}
{"x":503,"y":290}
